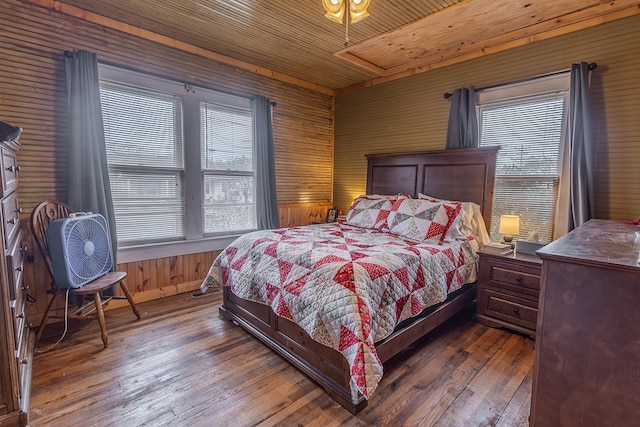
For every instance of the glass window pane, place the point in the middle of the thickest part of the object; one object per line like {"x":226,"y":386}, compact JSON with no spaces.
{"x":142,"y":127}
{"x":228,"y":203}
{"x":533,"y":200}
{"x":528,"y":133}
{"x":227,"y":138}
{"x":149,"y":206}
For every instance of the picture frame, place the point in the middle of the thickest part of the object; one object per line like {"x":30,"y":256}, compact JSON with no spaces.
{"x":332,"y":214}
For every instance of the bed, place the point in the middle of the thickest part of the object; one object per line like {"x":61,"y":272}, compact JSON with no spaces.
{"x":338,"y":300}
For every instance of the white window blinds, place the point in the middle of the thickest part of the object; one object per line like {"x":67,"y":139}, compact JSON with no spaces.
{"x":143,"y":135}
{"x":529,"y":131}
{"x":227,"y":168}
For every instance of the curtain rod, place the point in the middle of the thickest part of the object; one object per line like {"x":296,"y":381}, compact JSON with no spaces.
{"x":69,"y":54}
{"x":592,"y":66}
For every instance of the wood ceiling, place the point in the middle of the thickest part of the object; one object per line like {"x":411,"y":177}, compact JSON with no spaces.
{"x":292,"y":41}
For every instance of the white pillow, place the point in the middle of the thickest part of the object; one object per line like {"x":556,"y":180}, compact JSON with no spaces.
{"x":470,"y":222}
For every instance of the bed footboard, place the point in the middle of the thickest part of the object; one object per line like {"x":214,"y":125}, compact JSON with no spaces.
{"x":324,"y":365}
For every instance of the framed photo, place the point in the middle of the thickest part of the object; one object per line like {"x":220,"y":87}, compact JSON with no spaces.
{"x":332,"y":214}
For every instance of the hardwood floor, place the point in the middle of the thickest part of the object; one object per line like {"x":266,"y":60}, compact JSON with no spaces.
{"x":183,"y":365}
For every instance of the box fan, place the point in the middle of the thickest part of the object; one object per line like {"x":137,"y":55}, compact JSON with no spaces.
{"x":80,"y":249}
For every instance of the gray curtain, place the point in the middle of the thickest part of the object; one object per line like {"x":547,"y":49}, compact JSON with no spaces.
{"x":88,"y":187}
{"x":266,"y":197}
{"x":580,"y":140}
{"x":462,"y":131}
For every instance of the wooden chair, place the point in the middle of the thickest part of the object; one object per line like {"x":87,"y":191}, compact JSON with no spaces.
{"x":41,"y":217}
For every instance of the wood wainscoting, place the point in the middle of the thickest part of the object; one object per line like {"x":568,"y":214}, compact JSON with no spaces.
{"x":293,"y":214}
{"x":155,"y":278}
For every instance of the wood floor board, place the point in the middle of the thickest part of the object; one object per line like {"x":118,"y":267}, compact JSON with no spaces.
{"x":443,"y":391}
{"x":183,"y":365}
{"x":489,"y":392}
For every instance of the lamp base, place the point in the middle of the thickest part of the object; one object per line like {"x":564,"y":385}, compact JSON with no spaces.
{"x":508,"y":240}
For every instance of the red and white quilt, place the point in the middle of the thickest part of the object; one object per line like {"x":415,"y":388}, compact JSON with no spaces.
{"x":347,"y":287}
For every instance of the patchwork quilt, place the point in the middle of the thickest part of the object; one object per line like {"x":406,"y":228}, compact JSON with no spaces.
{"x":346,"y":286}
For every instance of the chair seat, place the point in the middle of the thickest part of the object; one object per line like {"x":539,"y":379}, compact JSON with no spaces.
{"x":100,"y":284}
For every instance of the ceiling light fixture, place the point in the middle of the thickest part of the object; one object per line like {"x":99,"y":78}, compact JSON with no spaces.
{"x":337,"y":9}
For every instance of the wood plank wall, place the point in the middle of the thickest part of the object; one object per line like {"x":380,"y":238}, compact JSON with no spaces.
{"x":33,"y":96}
{"x":411,"y":113}
{"x":157,"y":278}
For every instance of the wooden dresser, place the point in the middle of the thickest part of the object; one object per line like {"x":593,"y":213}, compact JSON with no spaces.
{"x":17,"y":339}
{"x":587,"y":357}
{"x":508,"y":288}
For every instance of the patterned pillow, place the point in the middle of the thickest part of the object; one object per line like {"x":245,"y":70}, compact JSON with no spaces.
{"x":371,"y":211}
{"x":469,"y":223}
{"x":422,"y":220}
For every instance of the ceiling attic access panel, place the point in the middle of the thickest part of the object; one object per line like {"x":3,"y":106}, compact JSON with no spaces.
{"x":473,"y":28}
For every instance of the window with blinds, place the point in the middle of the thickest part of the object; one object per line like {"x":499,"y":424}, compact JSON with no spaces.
{"x":180,"y":158}
{"x":227,"y":168}
{"x":143,"y":136}
{"x":527,"y":122}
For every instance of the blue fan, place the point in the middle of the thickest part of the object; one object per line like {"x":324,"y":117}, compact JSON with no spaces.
{"x":80,"y":250}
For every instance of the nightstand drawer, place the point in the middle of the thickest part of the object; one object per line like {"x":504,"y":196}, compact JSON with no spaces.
{"x":501,"y":274}
{"x":508,"y":291}
{"x":510,"y":309}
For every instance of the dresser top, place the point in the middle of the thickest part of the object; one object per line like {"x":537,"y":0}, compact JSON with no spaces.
{"x":598,"y":242}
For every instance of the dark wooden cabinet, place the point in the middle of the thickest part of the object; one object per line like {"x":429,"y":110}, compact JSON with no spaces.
{"x":17,"y":339}
{"x":508,"y":291}
{"x":587,"y":356}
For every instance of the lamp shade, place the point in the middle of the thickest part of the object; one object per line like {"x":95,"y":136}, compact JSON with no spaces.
{"x":509,"y":225}
{"x":358,"y":9}
{"x":335,"y":9}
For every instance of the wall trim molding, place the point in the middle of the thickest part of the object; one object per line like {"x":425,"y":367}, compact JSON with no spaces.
{"x":94,"y":18}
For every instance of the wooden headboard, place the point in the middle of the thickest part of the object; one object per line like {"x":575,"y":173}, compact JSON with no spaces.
{"x":466,"y":174}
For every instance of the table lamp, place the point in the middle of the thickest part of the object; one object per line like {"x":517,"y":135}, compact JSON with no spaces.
{"x":509,"y":225}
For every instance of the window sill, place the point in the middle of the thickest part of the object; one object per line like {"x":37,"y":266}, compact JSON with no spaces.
{"x":169,"y":249}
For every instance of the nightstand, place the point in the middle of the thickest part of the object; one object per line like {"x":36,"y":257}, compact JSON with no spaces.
{"x":508,"y":291}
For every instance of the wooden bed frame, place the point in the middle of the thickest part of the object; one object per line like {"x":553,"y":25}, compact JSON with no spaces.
{"x":464,"y":174}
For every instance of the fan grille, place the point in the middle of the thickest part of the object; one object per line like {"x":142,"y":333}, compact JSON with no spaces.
{"x":88,"y":248}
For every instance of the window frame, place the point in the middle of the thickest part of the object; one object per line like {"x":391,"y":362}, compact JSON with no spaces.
{"x":556,"y":84}
{"x":195,"y":240}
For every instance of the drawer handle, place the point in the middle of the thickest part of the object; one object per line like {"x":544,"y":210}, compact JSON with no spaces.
{"x":24,"y":361}
{"x":518,"y":278}
{"x":25,"y":287}
{"x":19,"y":268}
{"x":20,"y":316}
{"x":18,"y":210}
{"x":11,"y":221}
{"x":11,"y":169}
{"x":516,"y":310}
{"x":25,"y":248}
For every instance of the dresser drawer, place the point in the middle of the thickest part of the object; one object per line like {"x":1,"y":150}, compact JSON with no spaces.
{"x":11,"y":217}
{"x":15,"y":266}
{"x":10,"y":171}
{"x":514,"y":310}
{"x":18,"y":317}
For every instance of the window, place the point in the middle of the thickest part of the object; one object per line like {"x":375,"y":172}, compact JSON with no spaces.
{"x":181,"y":162}
{"x":227,"y":165}
{"x":145,"y":156}
{"x":527,"y":121}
